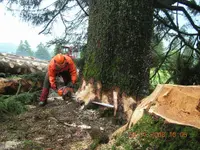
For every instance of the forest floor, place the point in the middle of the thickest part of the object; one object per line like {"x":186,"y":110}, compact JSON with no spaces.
{"x":52,"y":127}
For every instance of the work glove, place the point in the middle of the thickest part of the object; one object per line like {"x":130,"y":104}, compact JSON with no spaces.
{"x":65,"y":91}
{"x":60,"y":92}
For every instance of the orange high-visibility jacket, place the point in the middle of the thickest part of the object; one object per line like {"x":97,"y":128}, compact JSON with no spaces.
{"x":53,"y":70}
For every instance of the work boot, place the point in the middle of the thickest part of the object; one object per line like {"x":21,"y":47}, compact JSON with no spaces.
{"x":42,"y":103}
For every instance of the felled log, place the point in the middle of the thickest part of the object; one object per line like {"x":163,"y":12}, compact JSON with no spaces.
{"x":18,"y":85}
{"x":176,"y":104}
{"x":14,"y":64}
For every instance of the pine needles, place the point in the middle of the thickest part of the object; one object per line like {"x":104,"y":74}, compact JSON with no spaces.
{"x":16,"y":104}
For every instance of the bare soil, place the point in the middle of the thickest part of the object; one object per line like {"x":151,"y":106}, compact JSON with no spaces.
{"x":49,"y":127}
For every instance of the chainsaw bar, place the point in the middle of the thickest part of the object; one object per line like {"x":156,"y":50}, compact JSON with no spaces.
{"x":103,"y":104}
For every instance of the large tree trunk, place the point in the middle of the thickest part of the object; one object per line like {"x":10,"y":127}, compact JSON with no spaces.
{"x":15,"y":64}
{"x":119,"y":38}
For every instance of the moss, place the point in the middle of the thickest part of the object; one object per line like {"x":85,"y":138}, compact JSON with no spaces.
{"x":118,"y":44}
{"x":94,"y":144}
{"x":28,"y":144}
{"x":151,"y":132}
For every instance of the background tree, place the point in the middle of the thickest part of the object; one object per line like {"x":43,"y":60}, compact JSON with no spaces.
{"x":162,"y":75}
{"x":58,"y":48}
{"x":71,"y":15}
{"x":24,"y":49}
{"x":158,"y":51}
{"x":168,"y":15}
{"x":20,"y":48}
{"x":28,"y":48}
{"x":178,"y":24}
{"x":42,"y":52}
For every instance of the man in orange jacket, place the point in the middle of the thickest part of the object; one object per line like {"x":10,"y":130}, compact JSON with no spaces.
{"x":62,"y":65}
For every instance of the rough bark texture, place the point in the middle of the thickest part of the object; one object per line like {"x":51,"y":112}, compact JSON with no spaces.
{"x":15,"y":64}
{"x":118,"y":44}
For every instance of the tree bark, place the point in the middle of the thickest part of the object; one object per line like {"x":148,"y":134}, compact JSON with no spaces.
{"x":15,"y":64}
{"x":118,"y":50}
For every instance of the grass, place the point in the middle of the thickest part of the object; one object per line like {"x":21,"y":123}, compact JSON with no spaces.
{"x":160,"y":78}
{"x":31,"y":145}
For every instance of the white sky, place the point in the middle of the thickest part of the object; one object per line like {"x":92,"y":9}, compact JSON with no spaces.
{"x":12,"y":30}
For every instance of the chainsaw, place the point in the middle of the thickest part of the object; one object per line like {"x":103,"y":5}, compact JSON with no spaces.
{"x":65,"y":92}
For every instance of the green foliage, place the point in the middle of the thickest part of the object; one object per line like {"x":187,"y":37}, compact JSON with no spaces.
{"x":179,"y":66}
{"x":161,"y":77}
{"x":94,"y":144}
{"x":40,"y":13}
{"x":157,"y":55}
{"x":24,"y":49}
{"x":42,"y":52}
{"x":151,"y":132}
{"x":80,"y":63}
{"x":31,"y":145}
{"x":16,"y":104}
{"x":34,"y":78}
{"x":183,"y":66}
{"x":162,"y":66}
{"x":57,"y":48}
{"x":38,"y":76}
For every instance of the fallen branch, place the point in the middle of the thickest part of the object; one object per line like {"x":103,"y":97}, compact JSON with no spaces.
{"x":19,"y":88}
{"x":83,"y":126}
{"x":77,"y":126}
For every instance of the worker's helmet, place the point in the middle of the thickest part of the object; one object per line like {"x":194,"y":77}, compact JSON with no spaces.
{"x":59,"y":59}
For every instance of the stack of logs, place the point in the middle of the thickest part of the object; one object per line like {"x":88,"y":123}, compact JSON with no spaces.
{"x":12,"y":65}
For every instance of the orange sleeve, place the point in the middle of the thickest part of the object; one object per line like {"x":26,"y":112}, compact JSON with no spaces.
{"x":72,"y":70}
{"x":52,"y":74}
